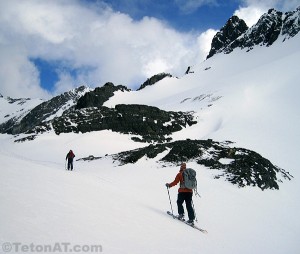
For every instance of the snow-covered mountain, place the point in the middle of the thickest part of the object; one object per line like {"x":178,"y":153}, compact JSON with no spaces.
{"x":268,"y":29}
{"x":16,"y":108}
{"x":244,"y":102}
{"x":43,"y":112}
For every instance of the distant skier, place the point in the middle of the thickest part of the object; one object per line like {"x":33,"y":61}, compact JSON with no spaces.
{"x":70,"y":156}
{"x":184,"y":194}
{"x":188,"y":70}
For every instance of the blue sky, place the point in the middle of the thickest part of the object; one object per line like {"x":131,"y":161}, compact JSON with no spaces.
{"x":48,"y":72}
{"x":49,"y":47}
{"x":198,"y":15}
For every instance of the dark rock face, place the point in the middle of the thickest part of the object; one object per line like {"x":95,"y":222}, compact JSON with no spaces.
{"x":100,"y":95}
{"x":230,"y":32}
{"x":154,"y":79}
{"x":20,"y":101}
{"x":151,"y":123}
{"x":291,"y":24}
{"x":266,"y":31}
{"x":239,"y":166}
{"x":41,"y":112}
{"x":83,"y":111}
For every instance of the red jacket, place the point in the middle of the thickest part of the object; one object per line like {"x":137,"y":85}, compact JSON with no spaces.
{"x":179,"y":179}
{"x":70,"y":155}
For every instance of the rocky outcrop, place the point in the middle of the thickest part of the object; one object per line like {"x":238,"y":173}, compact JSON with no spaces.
{"x":100,"y":95}
{"x":269,"y":28}
{"x":239,"y":166}
{"x":154,"y":79}
{"x":146,"y":122}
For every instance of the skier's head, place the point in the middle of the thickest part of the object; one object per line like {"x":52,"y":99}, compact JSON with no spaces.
{"x":182,"y":166}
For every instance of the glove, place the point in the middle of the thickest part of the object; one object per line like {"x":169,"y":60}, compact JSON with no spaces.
{"x":167,"y":185}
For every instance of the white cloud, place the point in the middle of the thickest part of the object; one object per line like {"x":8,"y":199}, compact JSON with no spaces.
{"x":281,"y":5}
{"x":189,"y":6}
{"x":290,"y":5}
{"x":204,"y":42}
{"x":65,"y":83}
{"x":101,"y":45}
{"x":251,"y":10}
{"x":18,"y":76}
{"x":249,"y":14}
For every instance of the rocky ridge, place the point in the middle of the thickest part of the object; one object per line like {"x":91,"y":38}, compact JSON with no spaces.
{"x":154,"y":79}
{"x":146,"y":123}
{"x":269,"y":28}
{"x":43,"y":112}
{"x":81,"y":110}
{"x":239,"y":166}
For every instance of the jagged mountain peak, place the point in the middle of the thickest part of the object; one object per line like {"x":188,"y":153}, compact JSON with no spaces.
{"x":266,"y":31}
{"x":233,"y":28}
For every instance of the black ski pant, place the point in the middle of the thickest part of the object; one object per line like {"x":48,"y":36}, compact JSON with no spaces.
{"x":70,"y":163}
{"x":187,"y":197}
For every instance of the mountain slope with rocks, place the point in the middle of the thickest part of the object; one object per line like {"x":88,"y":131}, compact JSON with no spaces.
{"x":242,"y":142}
{"x":43,"y":112}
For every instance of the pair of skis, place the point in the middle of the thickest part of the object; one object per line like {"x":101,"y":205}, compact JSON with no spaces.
{"x":185,"y":222}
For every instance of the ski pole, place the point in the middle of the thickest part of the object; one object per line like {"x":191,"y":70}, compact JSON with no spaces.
{"x":170,"y":200}
{"x":194,"y":211}
{"x":196,"y":193}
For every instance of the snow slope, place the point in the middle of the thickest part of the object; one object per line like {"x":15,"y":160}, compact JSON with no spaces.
{"x":246,"y":97}
{"x":16,"y":108}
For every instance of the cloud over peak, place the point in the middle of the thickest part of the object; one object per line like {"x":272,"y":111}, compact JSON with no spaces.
{"x":105,"y":45}
{"x":88,"y":42}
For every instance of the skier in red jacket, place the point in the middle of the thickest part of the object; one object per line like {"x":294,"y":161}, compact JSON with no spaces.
{"x":184,"y":194}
